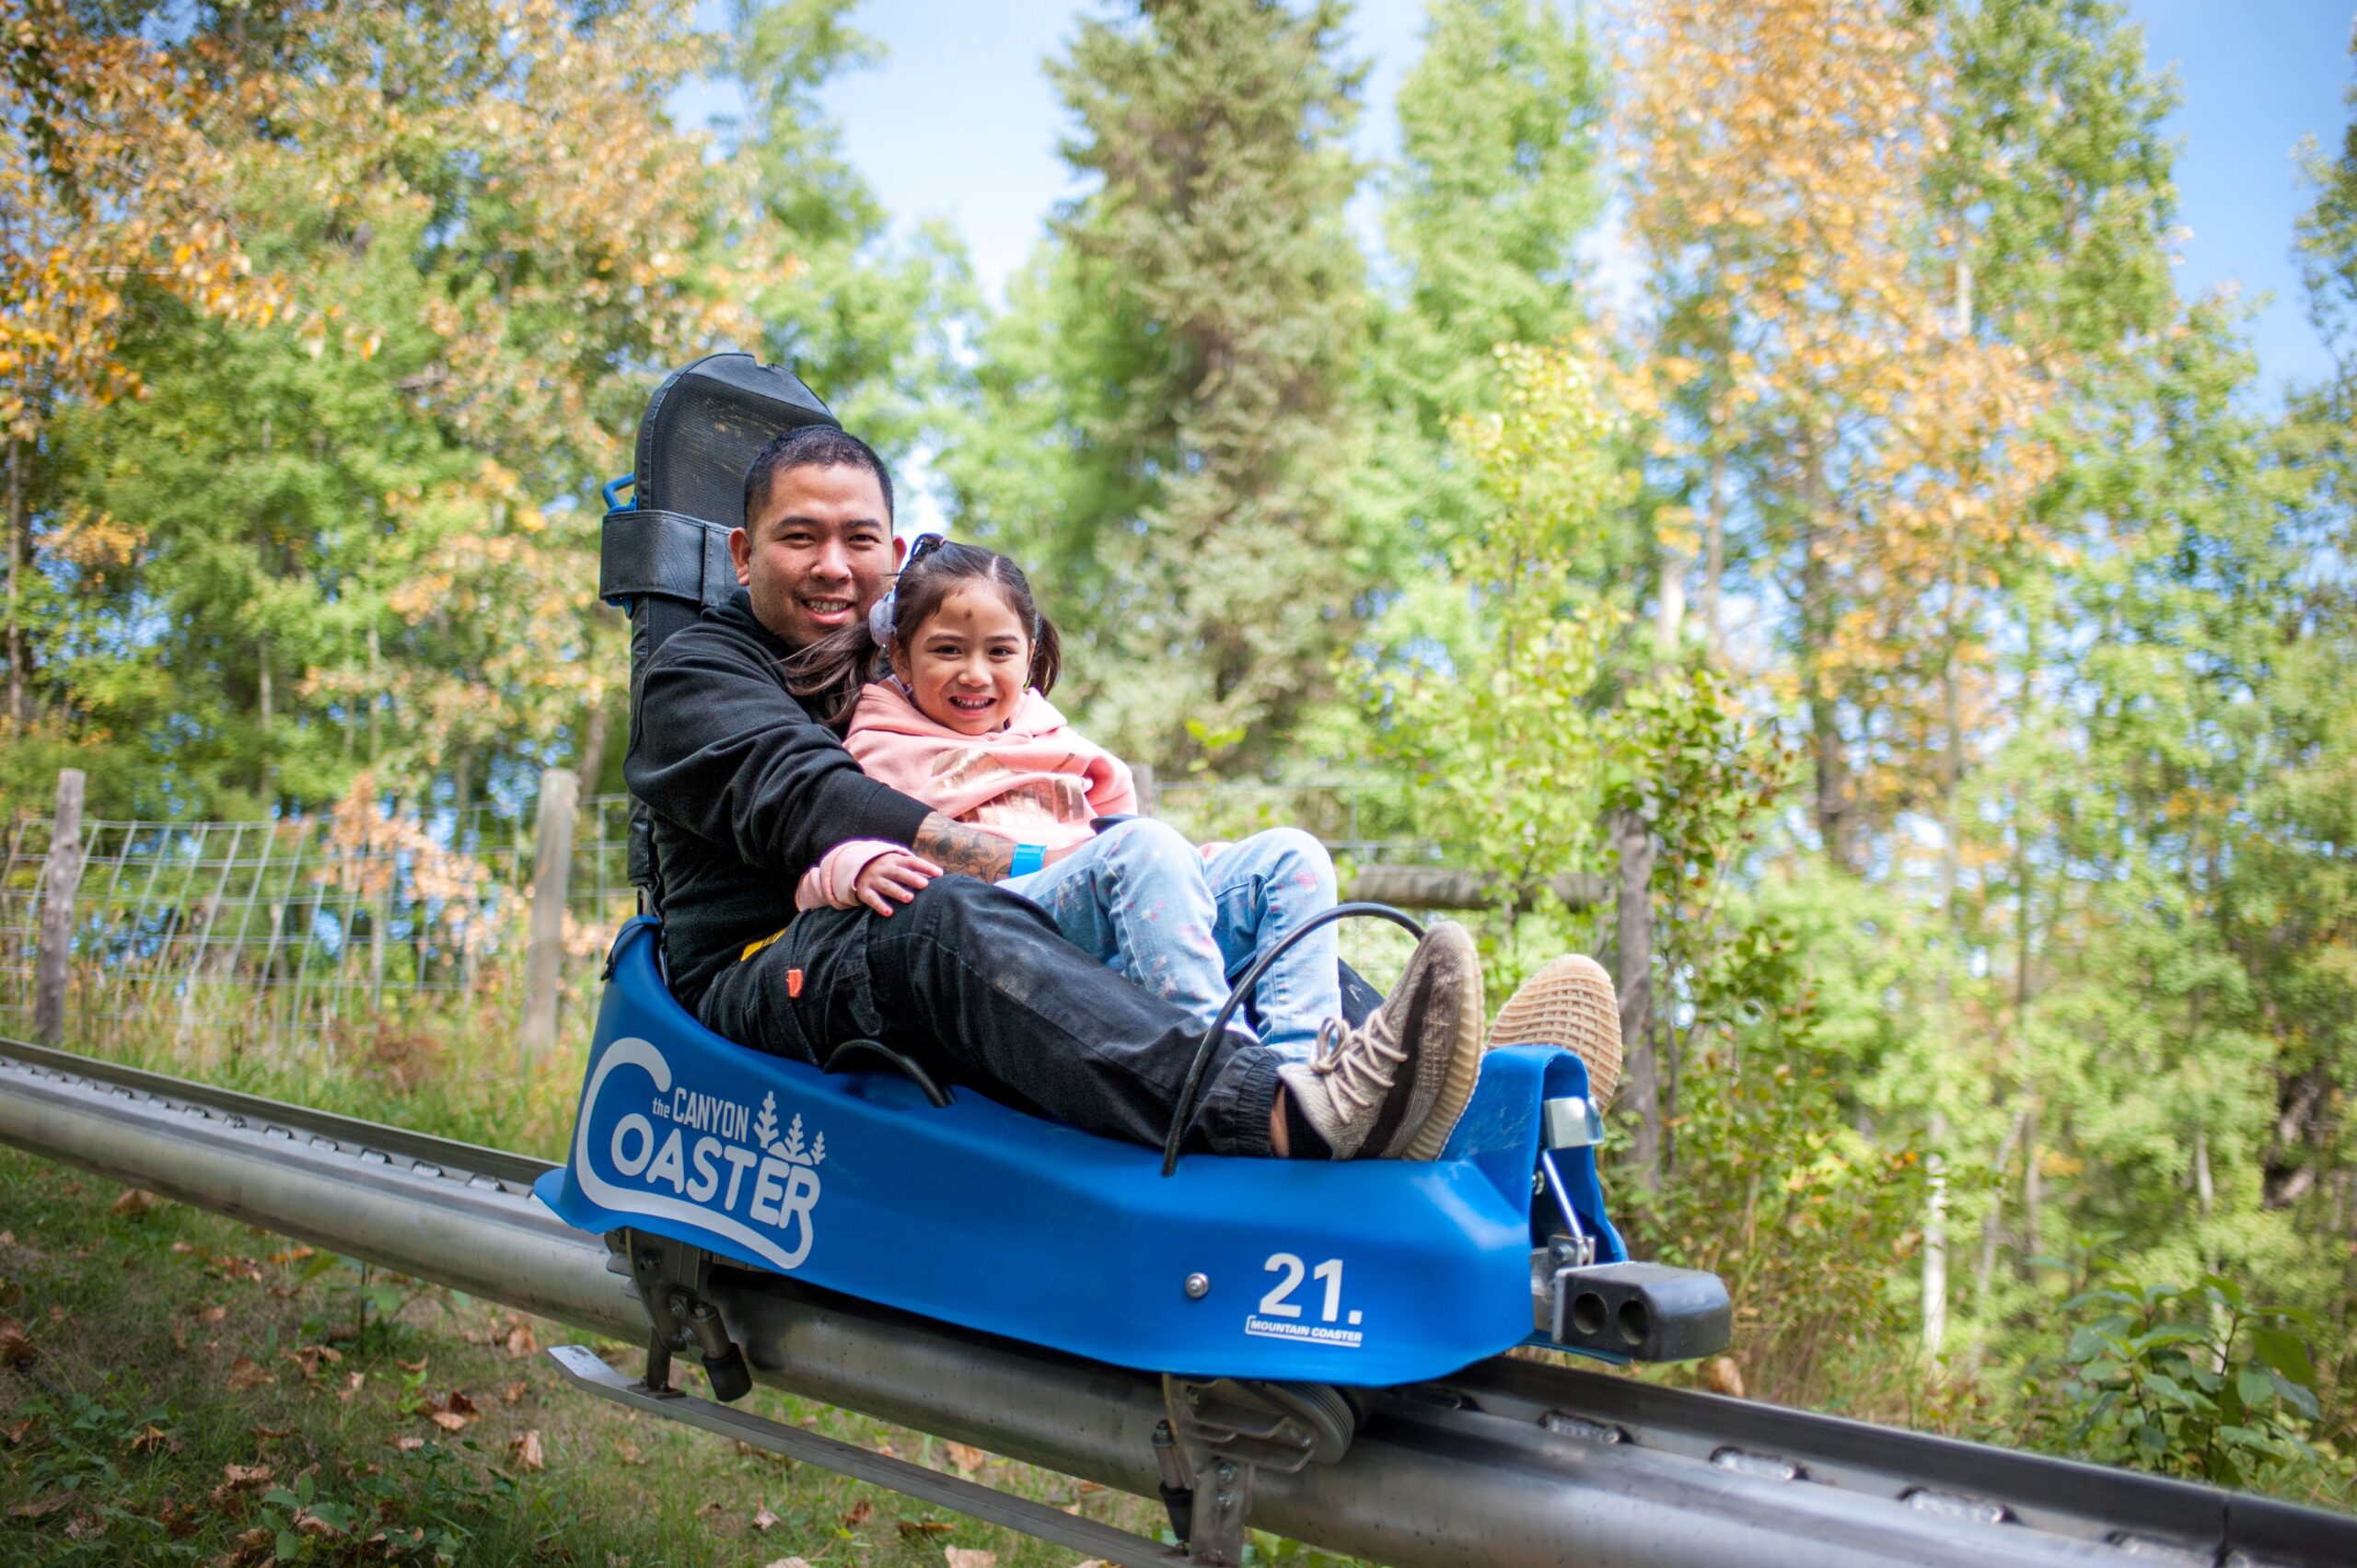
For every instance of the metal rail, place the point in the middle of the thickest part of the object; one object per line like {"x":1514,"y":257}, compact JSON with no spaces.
{"x":1506,"y":1463}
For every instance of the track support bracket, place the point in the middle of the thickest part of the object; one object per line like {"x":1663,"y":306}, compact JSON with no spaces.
{"x":1216,"y":1433}
{"x":670,"y":1279}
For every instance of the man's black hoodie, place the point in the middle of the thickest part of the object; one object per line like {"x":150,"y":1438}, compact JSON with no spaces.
{"x":747,"y":791}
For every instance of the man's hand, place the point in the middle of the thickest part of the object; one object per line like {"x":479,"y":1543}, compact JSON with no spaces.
{"x":954,"y":846}
{"x":893,"y":879}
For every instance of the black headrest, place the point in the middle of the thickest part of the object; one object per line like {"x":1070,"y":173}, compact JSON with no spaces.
{"x":703,"y":426}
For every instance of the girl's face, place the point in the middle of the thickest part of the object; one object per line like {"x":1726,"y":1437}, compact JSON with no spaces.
{"x":966,"y":664}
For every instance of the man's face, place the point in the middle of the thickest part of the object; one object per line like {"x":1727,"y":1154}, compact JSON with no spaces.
{"x":818,"y":550}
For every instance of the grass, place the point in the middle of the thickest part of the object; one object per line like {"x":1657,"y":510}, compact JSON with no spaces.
{"x":167,"y":1355}
{"x":191,"y":1390}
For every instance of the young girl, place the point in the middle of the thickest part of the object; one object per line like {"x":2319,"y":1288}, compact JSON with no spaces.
{"x":964,"y":725}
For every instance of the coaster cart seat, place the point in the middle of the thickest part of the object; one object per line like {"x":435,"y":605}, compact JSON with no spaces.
{"x":1262,"y":1290}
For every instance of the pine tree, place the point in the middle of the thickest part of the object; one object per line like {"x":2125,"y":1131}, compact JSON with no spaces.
{"x":1181,"y":356}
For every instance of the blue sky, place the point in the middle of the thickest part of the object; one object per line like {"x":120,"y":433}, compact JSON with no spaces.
{"x":958,"y":122}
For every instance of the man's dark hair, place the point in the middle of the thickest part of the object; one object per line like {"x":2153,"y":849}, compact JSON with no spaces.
{"x":812,"y":446}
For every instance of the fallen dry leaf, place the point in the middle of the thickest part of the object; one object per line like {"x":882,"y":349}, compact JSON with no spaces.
{"x":515,"y":1391}
{"x":9,"y":1238}
{"x":246,"y":1372}
{"x":968,"y":1557}
{"x":253,"y":1547}
{"x":416,"y":1366}
{"x":311,"y":1357}
{"x":861,"y":1512}
{"x":788,"y":1563}
{"x":183,"y":1248}
{"x":273,"y":1433}
{"x":628,"y":1452}
{"x":17,"y":1432}
{"x":746,"y":1451}
{"x":965,"y":1459}
{"x":15,"y":1348}
{"x":448,"y":1420}
{"x":527,"y":1449}
{"x":459,"y":1404}
{"x":182,"y":1522}
{"x":293,"y":1255}
{"x":309,"y":1524}
{"x":1724,"y":1376}
{"x":245,"y":1475}
{"x":917,"y":1529}
{"x":42,"y":1509}
{"x":763,"y":1519}
{"x":135,"y":1201}
{"x":409,"y":1445}
{"x":1082,"y":1488}
{"x":711,"y":1510}
{"x":352,"y":1383}
{"x":520,"y":1342}
{"x":72,"y":1189}
{"x":209,"y":1314}
{"x":152,"y":1437}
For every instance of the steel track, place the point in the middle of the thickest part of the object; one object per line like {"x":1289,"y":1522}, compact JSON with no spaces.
{"x":1506,"y":1462}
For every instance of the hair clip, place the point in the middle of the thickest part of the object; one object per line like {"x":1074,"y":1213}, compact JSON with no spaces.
{"x":879,"y":618}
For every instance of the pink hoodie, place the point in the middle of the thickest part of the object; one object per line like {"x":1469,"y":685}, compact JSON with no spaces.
{"x":1037,"y":780}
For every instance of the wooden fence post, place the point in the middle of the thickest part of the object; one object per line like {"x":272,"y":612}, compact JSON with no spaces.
{"x":545,"y":957}
{"x":60,"y":880}
{"x":1141,"y":775}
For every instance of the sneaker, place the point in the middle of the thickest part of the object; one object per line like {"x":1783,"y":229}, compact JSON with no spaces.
{"x":1570,"y":1003}
{"x":1393,"y":1087}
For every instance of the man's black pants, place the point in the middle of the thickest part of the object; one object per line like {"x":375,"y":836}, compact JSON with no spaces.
{"x":977,"y":985}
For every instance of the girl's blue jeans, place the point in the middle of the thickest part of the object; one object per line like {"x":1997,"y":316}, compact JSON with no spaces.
{"x":1141,"y":899}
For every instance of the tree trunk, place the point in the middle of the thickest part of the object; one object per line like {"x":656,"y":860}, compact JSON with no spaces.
{"x":1714,"y":550}
{"x":2033,"y":1188}
{"x":1935,"y":1240}
{"x":19,"y":561}
{"x":591,"y":768}
{"x":375,"y":700}
{"x":1817,"y":617}
{"x":1633,"y":952}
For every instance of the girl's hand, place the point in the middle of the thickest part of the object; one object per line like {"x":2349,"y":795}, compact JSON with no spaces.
{"x":893,"y":879}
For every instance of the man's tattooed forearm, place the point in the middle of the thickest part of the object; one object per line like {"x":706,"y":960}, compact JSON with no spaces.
{"x":954,"y":846}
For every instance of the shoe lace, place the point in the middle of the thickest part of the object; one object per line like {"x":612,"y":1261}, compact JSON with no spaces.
{"x":1362,"y":1062}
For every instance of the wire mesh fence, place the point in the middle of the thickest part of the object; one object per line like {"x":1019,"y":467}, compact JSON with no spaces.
{"x":301,"y":926}
{"x":315,"y":929}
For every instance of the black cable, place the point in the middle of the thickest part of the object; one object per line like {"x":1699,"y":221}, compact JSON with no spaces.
{"x":1186,"y":1108}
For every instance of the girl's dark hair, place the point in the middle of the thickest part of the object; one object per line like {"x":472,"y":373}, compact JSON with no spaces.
{"x":828,"y":674}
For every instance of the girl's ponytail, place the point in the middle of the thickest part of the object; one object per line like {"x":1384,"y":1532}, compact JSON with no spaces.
{"x":1046,"y":649}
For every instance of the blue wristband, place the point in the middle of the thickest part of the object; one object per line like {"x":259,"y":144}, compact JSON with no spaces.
{"x":1027,"y":859}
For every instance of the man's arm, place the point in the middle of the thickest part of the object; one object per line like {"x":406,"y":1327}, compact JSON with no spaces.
{"x":724,"y":753}
{"x":957,"y":846}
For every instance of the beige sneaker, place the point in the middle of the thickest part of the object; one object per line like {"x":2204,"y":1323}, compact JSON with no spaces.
{"x":1393,"y":1087}
{"x":1571,"y":1003}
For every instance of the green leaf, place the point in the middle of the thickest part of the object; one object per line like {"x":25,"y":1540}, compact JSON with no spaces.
{"x":2300,"y":1399}
{"x":2286,"y":1352}
{"x":2257,"y":1389}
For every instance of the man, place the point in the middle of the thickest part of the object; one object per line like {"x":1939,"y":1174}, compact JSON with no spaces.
{"x":747,"y":791}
